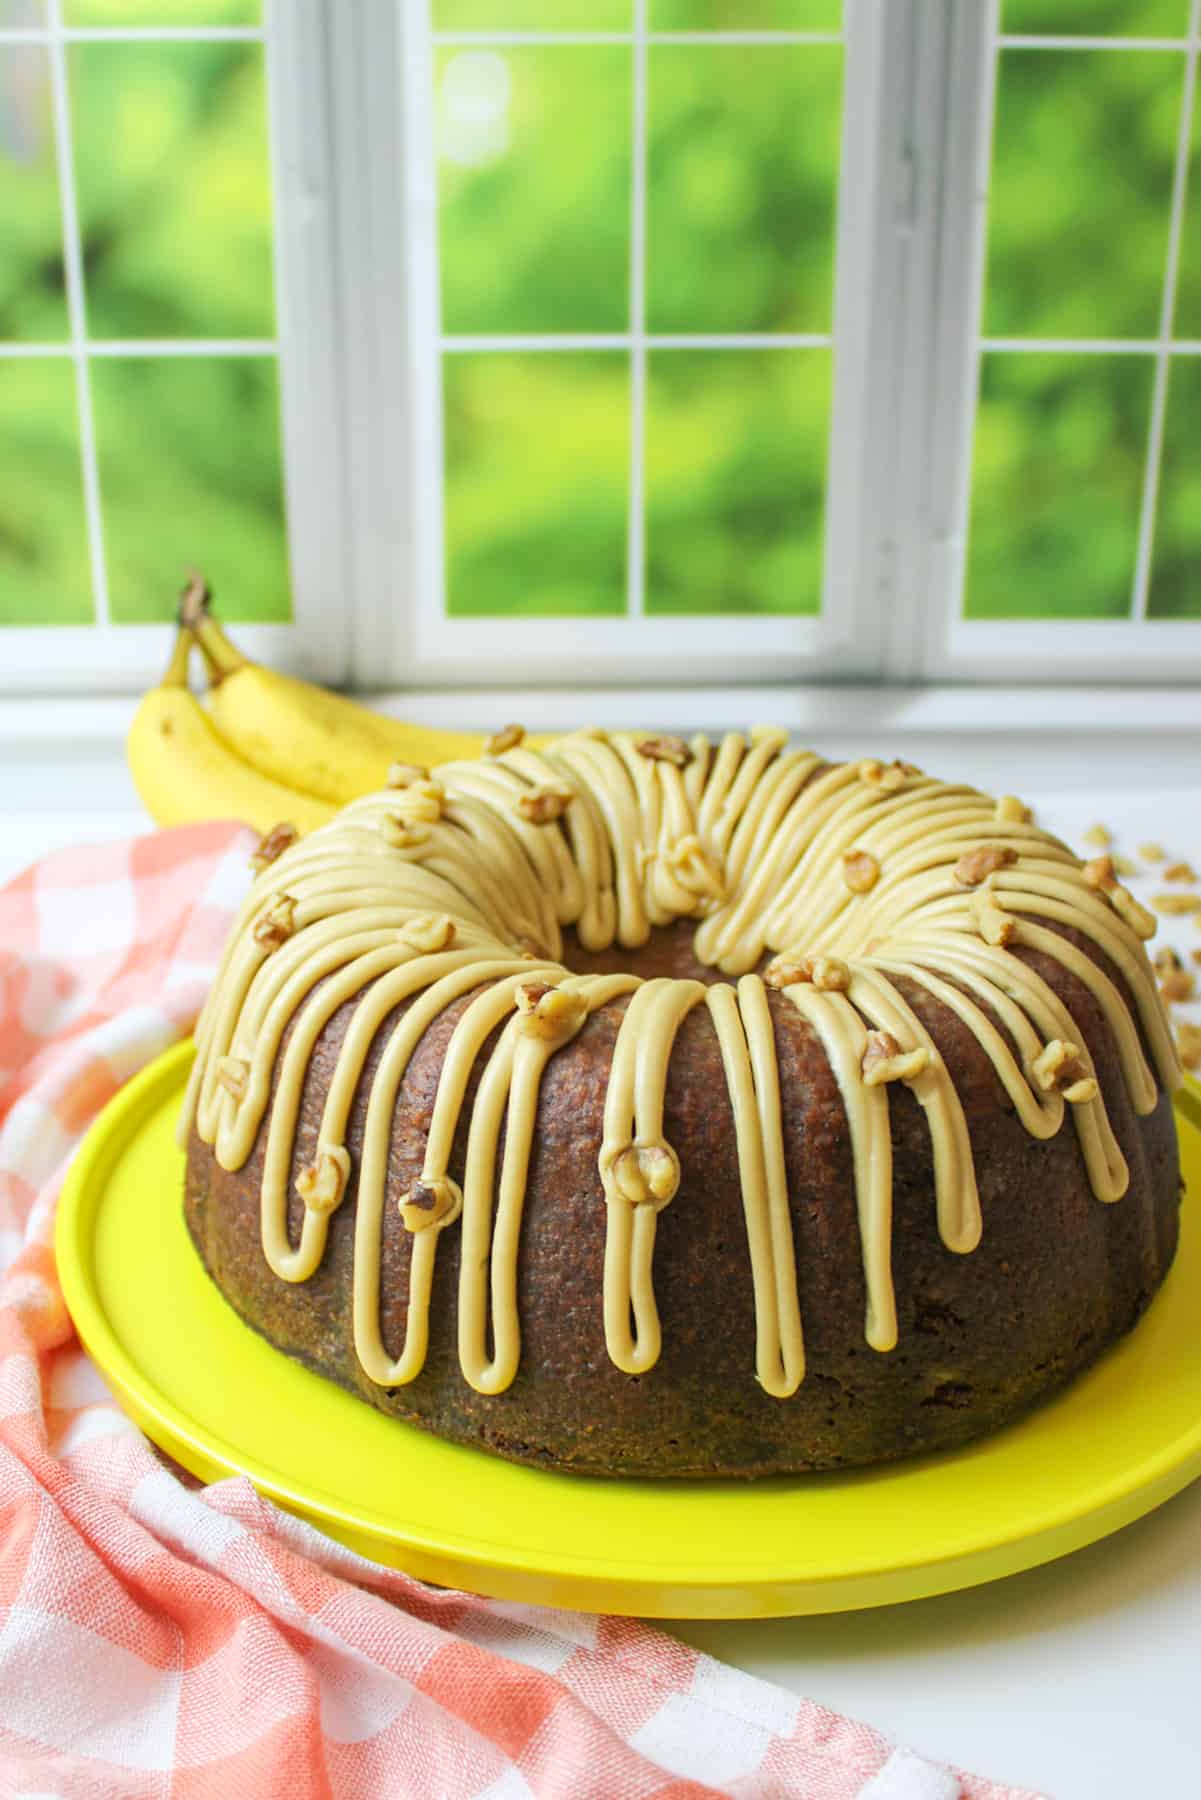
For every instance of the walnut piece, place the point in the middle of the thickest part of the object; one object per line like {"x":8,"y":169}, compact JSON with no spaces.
{"x":428,"y":933}
{"x":1100,"y":835}
{"x":646,"y":1175}
{"x":1009,"y":810}
{"x":401,"y":833}
{"x":1058,"y":1068}
{"x":420,"y":802}
{"x":1124,"y":866}
{"x":1178,"y":986}
{"x":1152,"y":852}
{"x":975,"y":866}
{"x":1195,"y":956}
{"x":233,"y":1073}
{"x":322,"y":1183}
{"x":1100,"y":873}
{"x":665,"y":748}
{"x":827,"y":973}
{"x":889,"y":777}
{"x":1166,"y":961}
{"x":276,"y":923}
{"x":280,"y":838}
{"x":403,"y":775}
{"x":1188,"y":1042}
{"x":1179,"y":871}
{"x":432,"y":1200}
{"x":885,"y":1060}
{"x":995,"y":925}
{"x":507,"y":738}
{"x":549,"y":1012}
{"x":860,"y":871}
{"x":542,"y":806}
{"x":1173,"y":904}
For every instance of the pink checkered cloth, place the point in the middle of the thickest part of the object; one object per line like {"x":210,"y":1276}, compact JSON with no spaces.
{"x":157,"y":1637}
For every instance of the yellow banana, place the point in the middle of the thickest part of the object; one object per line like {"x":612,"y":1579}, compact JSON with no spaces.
{"x":294,"y":731}
{"x":185,"y":773}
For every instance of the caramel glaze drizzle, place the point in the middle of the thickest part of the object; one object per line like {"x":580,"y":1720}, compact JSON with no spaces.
{"x":440,"y":890}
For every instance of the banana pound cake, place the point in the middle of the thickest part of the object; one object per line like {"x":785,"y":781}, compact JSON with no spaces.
{"x":646,"y":1107}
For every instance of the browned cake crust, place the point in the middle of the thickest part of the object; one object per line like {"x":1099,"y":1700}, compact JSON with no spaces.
{"x":1058,"y":1275}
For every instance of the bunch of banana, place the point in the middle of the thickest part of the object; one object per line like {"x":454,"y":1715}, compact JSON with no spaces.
{"x":266,"y":747}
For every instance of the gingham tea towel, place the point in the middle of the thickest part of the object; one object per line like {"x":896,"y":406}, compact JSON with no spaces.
{"x":158,"y":1638}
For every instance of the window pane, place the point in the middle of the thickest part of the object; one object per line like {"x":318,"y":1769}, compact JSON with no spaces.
{"x":1096,"y":18}
{"x":44,"y":573}
{"x":537,"y":470}
{"x":22,"y":15}
{"x":1188,"y":282}
{"x":735,"y":472}
{"x":189,"y":460}
{"x":32,"y":301}
{"x":1081,"y":192}
{"x":534,"y":188}
{"x":532,"y":15}
{"x":162,"y":12}
{"x":1176,"y":569}
{"x":746,"y":15}
{"x":174,"y":190}
{"x":742,"y":176}
{"x":1059,"y":461}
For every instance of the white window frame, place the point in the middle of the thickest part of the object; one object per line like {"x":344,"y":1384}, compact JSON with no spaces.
{"x":411,"y":641}
{"x":356,"y":284}
{"x":949,"y":647}
{"x":103,"y":656}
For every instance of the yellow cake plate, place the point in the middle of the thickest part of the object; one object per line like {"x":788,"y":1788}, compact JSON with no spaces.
{"x":217,"y":1397}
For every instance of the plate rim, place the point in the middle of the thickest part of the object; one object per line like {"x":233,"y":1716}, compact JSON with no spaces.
{"x":1119,"y":1500}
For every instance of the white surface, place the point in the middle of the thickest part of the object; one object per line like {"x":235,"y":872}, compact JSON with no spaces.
{"x":1078,"y":1679}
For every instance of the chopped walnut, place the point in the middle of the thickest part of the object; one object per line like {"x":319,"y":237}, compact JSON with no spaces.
{"x":1188,"y":1042}
{"x":428,"y":933}
{"x":322,"y":1183}
{"x":542,"y":806}
{"x":420,"y":802}
{"x":1058,"y":1068}
{"x":1195,"y":956}
{"x":1179,"y":871}
{"x":276,"y":923}
{"x":1100,"y":873}
{"x":430,"y":1201}
{"x":549,"y":1012}
{"x":1152,"y":852}
{"x":995,"y":925}
{"x":1178,"y":988}
{"x":646,"y":1175}
{"x":1009,"y":810}
{"x":886,"y":776}
{"x":507,"y":738}
{"x":1100,"y":835}
{"x":1166,"y":961}
{"x":1124,"y":867}
{"x":233,"y":1073}
{"x":666,"y":749}
{"x":280,"y":838}
{"x":827,"y":973}
{"x":403,"y":775}
{"x":885,"y":1060}
{"x":1140,"y":921}
{"x":402,"y":834}
{"x":974,"y":866}
{"x":1176,"y":903}
{"x":860,"y":871}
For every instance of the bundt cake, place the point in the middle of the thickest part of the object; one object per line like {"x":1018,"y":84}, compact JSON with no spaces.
{"x":649,"y":1107}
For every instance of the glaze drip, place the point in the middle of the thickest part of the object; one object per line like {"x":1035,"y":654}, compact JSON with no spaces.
{"x":457,"y":889}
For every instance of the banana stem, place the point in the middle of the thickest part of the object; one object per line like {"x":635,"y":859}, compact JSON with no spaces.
{"x":194,"y":600}
{"x":176,"y":673}
{"x":221,"y":657}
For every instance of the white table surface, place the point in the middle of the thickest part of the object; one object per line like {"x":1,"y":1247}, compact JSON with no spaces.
{"x":1080,"y":1679}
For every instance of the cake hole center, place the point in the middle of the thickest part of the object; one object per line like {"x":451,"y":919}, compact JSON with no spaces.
{"x":668,"y":951}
